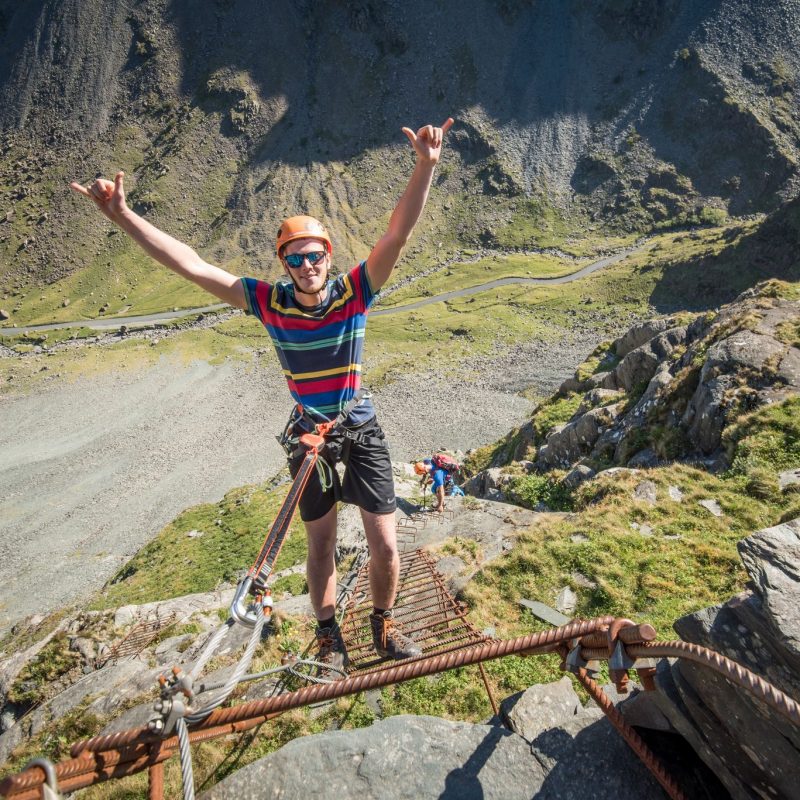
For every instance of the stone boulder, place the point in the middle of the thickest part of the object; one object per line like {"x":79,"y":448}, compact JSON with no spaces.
{"x":705,"y":416}
{"x":488,"y":483}
{"x":566,"y":444}
{"x":427,"y":758}
{"x":578,"y":475}
{"x":772,"y":559}
{"x":403,"y":756}
{"x":751,"y":748}
{"x":742,"y":350}
{"x":637,"y":335}
{"x":540,"y":707}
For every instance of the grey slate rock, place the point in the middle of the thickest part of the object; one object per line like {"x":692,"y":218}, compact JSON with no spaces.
{"x":672,"y":700}
{"x":539,"y":707}
{"x":637,"y":335}
{"x":403,"y":756}
{"x":790,"y":477}
{"x":644,"y":459}
{"x":740,"y":631}
{"x":772,"y":559}
{"x":753,"y":739}
{"x":587,"y":758}
{"x":637,"y":367}
{"x":566,"y":601}
{"x":743,"y":349}
{"x":577,"y":475}
{"x":711,"y":505}
{"x":647,"y":492}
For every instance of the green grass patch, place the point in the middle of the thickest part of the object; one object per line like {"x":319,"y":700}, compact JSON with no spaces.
{"x":53,"y":661}
{"x":531,"y":491}
{"x":466,"y":275}
{"x":240,"y":338}
{"x":174,"y":564}
{"x":688,"y":563}
{"x":765,"y":439}
{"x":293,"y":584}
{"x":54,"y":740}
{"x":555,"y":411}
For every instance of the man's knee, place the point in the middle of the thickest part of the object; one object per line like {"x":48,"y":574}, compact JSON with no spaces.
{"x":321,"y":534}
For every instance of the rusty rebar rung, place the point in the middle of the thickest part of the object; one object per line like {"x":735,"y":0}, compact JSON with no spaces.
{"x":138,"y":638}
{"x":98,"y":755}
{"x":424,"y":609}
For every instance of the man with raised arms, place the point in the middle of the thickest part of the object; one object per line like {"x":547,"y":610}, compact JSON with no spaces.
{"x":317,"y":326}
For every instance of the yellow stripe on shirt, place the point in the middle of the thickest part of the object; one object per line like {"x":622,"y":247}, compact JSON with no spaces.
{"x":301,"y":376}
{"x":296,"y":312}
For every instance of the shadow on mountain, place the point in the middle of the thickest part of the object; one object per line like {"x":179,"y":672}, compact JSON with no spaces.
{"x":349,"y":75}
{"x":771,"y":251}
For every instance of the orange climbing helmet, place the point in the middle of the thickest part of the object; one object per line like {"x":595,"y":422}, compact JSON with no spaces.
{"x":420,"y":468}
{"x":302,"y":227}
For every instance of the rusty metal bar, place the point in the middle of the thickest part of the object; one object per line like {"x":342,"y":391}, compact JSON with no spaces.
{"x":734,"y":672}
{"x":101,"y":758}
{"x":631,"y":635}
{"x":635,"y":742}
{"x":155,"y":786}
{"x":545,"y":641}
{"x":489,"y":691}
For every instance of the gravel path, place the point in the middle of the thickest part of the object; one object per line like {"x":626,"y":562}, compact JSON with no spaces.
{"x":90,"y":471}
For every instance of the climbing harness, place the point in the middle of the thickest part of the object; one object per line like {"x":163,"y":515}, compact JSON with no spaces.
{"x":312,"y":443}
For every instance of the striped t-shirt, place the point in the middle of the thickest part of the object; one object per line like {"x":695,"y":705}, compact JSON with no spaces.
{"x":319,"y":348}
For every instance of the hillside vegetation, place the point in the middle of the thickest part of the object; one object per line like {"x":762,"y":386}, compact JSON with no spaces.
{"x":580,"y":118}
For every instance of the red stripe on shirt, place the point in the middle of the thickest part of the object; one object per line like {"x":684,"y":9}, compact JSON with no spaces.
{"x":351,"y":381}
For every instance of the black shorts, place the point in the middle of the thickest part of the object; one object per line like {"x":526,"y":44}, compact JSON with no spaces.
{"x":368,"y":482}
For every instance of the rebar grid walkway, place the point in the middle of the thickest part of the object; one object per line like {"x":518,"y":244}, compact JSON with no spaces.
{"x":424,"y":609}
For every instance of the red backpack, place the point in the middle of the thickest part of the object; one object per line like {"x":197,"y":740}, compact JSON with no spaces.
{"x":445,"y":462}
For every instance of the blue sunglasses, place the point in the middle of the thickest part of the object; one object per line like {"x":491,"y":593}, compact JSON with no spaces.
{"x":295,"y":260}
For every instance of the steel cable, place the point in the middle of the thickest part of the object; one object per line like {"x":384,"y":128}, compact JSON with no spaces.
{"x":210,"y":648}
{"x":187,"y":772}
{"x":241,"y":668}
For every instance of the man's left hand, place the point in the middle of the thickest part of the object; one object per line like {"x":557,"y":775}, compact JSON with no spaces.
{"x":427,"y":141}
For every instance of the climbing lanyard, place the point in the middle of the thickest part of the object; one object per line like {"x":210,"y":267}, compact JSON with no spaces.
{"x":312,"y":442}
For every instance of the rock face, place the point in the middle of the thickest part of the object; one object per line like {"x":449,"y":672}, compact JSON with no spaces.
{"x":677,"y":387}
{"x":426,"y":757}
{"x":753,"y":750}
{"x":710,"y":88}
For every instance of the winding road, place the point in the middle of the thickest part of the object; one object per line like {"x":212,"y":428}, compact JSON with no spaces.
{"x":167,"y":316}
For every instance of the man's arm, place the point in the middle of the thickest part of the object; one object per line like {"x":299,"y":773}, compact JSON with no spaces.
{"x":427,"y":143}
{"x":110,"y":199}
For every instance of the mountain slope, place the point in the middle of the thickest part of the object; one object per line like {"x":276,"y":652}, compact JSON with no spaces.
{"x":229,"y":116}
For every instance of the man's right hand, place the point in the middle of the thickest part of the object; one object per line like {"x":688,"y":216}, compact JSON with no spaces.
{"x":108,"y":196}
{"x":179,"y":257}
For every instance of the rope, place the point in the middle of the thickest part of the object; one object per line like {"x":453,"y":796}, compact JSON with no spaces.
{"x":291,"y":668}
{"x":325,"y":474}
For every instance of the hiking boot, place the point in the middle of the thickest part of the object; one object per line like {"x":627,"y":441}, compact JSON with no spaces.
{"x":389,"y":640}
{"x":332,"y":652}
